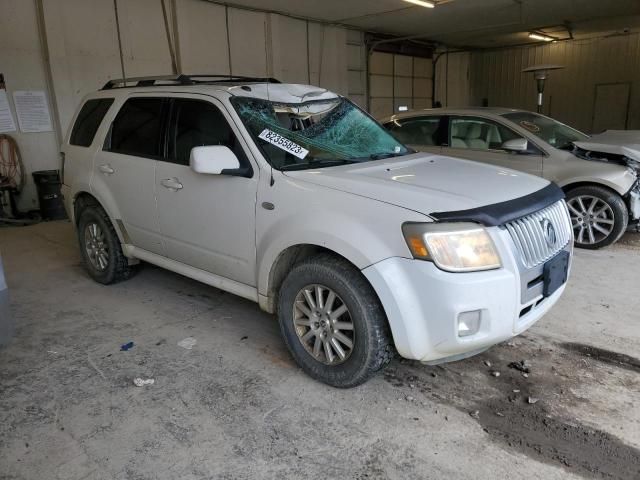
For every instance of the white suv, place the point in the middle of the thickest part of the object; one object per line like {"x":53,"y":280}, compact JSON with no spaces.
{"x":293,"y":197}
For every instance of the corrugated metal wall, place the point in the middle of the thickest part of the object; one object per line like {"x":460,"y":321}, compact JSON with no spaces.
{"x":569,"y":93}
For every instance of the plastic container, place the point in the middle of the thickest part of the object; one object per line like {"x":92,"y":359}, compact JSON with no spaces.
{"x":49,"y":196}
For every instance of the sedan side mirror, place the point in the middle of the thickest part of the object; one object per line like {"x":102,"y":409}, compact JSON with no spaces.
{"x":213,"y":160}
{"x":516,"y":145}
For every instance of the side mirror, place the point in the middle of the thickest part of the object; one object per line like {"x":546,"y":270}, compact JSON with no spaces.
{"x":213,"y":160}
{"x":516,"y":145}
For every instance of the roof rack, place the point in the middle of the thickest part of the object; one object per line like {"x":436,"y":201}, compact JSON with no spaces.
{"x":183,"y":80}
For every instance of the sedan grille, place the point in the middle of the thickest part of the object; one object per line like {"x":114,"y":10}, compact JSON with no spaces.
{"x":539,"y":236}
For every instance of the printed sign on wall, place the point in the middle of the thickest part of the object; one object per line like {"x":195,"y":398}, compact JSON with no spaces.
{"x":32,"y":110}
{"x":7,"y":123}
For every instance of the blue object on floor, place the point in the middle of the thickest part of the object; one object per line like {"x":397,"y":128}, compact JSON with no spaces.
{"x":126,"y":346}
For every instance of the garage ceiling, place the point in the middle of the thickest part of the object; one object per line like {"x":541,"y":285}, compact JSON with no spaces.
{"x":472,"y":23}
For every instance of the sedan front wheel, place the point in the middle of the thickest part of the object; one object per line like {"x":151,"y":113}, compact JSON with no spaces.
{"x":599,"y":216}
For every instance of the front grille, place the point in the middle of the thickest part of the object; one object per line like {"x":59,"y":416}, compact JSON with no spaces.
{"x":541,"y":235}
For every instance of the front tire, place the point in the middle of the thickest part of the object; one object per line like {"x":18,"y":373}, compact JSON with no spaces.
{"x":100,"y":247}
{"x":599,"y":216}
{"x":333,"y":323}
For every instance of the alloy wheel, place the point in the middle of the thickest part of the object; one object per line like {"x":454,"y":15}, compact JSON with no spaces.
{"x":592,"y":219}
{"x":323,"y":324}
{"x":96,"y":246}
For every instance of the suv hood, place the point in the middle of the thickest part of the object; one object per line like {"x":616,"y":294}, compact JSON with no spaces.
{"x":426,"y":183}
{"x":616,"y":146}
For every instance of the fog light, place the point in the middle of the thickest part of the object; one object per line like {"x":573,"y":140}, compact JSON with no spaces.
{"x":469,"y":323}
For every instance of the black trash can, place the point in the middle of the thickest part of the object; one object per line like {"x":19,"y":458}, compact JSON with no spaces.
{"x":49,"y":196}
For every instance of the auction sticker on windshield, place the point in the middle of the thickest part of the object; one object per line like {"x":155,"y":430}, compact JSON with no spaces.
{"x":283,"y":143}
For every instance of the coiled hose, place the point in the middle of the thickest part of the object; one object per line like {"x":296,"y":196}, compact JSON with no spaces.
{"x":12,"y":175}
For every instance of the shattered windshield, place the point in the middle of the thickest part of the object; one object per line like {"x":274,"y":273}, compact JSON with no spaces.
{"x":547,"y":129}
{"x":316,"y":134}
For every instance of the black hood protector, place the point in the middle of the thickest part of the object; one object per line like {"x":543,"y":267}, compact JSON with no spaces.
{"x":500,"y":213}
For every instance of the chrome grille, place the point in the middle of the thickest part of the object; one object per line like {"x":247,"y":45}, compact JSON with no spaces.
{"x":541,"y":235}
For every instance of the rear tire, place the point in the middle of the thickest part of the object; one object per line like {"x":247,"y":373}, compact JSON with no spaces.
{"x":100,"y":247}
{"x":343,"y":338}
{"x":599,"y":216}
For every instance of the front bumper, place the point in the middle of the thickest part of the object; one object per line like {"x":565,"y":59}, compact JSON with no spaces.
{"x":423,"y":303}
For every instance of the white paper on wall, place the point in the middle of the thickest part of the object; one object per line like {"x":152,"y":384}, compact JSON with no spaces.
{"x":7,"y":123}
{"x":32,"y":110}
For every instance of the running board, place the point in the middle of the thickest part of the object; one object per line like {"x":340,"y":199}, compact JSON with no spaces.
{"x":231,"y":286}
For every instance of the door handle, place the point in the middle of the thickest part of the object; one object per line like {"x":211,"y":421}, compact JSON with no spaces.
{"x":172,"y":184}
{"x":106,"y":169}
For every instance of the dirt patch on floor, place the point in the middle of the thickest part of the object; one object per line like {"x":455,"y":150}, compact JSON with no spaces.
{"x":542,"y":435}
{"x":606,"y":356}
{"x":522,"y":395}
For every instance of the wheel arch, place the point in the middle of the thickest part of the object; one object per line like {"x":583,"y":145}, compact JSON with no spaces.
{"x":588,"y":183}
{"x":82,"y":199}
{"x":284,"y":262}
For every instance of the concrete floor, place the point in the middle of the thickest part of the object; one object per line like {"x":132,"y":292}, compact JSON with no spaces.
{"x":236,"y":406}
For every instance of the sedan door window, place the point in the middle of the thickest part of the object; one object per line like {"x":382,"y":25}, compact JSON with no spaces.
{"x":479,"y":134}
{"x":424,"y":130}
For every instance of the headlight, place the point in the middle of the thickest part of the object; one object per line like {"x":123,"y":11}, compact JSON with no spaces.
{"x":463,"y":247}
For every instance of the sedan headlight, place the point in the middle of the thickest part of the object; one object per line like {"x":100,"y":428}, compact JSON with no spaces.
{"x":463,"y":247}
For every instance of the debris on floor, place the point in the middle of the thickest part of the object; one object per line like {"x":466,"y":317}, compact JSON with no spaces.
{"x":187,"y":343}
{"x":522,"y":366}
{"x":141,"y":382}
{"x":126,"y":346}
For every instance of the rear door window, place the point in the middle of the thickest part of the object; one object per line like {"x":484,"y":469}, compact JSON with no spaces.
{"x":88,"y":121}
{"x":424,"y":130}
{"x":196,"y":123}
{"x":137,"y":129}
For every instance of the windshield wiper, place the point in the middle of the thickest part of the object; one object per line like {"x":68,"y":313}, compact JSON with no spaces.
{"x":316,"y":162}
{"x":382,"y":155}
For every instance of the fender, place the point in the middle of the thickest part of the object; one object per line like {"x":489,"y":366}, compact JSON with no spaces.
{"x":333,"y":224}
{"x":621,"y":185}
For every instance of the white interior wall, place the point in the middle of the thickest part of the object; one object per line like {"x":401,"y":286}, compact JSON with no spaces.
{"x":289,"y":49}
{"x":357,"y":68}
{"x":84,"y":53}
{"x":328,"y":57}
{"x":202,"y":37}
{"x":21,"y":63}
{"x":145,"y":46}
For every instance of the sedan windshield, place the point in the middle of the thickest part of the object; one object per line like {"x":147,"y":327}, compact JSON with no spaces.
{"x":315,"y":134}
{"x":547,"y":129}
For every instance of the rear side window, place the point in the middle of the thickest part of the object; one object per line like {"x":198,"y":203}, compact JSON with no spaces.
{"x":137,"y":129}
{"x":195,"y":124}
{"x":88,"y":121}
